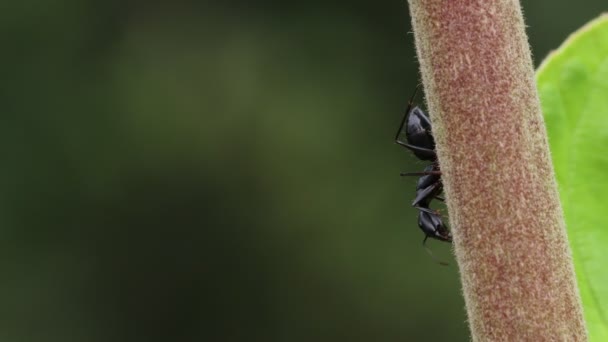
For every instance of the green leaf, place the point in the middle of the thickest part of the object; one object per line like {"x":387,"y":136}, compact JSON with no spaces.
{"x":573,"y":87}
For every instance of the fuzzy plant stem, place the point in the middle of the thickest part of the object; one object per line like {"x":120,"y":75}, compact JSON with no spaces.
{"x":509,"y":233}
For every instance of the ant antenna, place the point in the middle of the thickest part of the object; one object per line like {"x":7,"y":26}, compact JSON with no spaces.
{"x":409,"y":107}
{"x":428,"y":250}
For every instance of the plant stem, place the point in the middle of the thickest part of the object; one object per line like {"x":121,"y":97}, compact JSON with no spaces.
{"x":509,"y":233}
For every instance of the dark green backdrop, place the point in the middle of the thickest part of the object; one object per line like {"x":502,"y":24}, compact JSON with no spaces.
{"x":223,"y":171}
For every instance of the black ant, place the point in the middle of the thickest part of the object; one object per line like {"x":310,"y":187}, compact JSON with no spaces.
{"x":418,"y":132}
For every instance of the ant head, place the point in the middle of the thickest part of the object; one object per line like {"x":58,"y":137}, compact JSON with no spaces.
{"x":433,"y":227}
{"x":444,"y":235}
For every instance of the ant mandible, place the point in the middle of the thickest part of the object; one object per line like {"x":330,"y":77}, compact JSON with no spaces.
{"x":419,"y":135}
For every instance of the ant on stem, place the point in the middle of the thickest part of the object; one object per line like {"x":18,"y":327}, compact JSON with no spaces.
{"x":416,"y":125}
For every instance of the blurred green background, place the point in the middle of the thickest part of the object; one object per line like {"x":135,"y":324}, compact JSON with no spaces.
{"x":219,"y":171}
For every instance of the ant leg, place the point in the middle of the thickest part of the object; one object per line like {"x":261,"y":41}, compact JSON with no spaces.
{"x":440,"y":198}
{"x":423,"y":173}
{"x":426,"y":118}
{"x":427,"y":210}
{"x":426,"y":194}
{"x":413,"y":147}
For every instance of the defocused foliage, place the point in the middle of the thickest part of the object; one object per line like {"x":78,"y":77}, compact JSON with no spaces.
{"x":573,"y":83}
{"x":218,"y":171}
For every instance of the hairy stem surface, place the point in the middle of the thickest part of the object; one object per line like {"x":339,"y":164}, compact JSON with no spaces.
{"x":509,"y":233}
